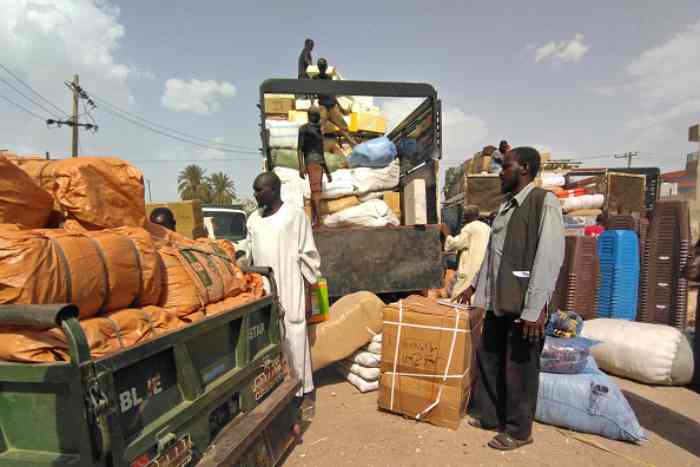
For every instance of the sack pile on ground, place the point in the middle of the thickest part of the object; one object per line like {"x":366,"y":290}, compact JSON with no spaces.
{"x":130,"y":279}
{"x":362,"y":369}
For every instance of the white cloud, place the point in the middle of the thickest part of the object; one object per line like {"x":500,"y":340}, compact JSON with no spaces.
{"x":564,"y":51}
{"x":200,"y":97}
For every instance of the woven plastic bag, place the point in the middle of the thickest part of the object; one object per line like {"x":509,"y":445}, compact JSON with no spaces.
{"x":21,"y":200}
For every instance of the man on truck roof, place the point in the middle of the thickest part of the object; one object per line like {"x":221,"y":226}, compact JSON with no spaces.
{"x":280,"y":237}
{"x":330,"y":109}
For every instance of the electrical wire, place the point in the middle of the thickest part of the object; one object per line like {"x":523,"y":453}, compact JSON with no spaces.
{"x":178,"y":138}
{"x":169,"y":129}
{"x":61,"y":112}
{"x":23,"y":108}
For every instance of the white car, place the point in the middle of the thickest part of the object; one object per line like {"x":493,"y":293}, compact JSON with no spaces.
{"x":227,"y":223}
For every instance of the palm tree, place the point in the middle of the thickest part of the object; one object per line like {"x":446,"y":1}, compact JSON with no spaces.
{"x":223,"y":189}
{"x":192,"y":184}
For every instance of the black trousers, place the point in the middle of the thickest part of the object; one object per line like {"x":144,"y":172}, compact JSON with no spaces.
{"x":509,"y":376}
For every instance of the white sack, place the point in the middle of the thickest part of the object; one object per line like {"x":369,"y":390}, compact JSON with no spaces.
{"x":365,"y":358}
{"x":371,"y":196}
{"x":583,"y":202}
{"x":283,"y":134}
{"x":377,"y":338}
{"x":384,"y":179}
{"x":373,"y":213}
{"x":375,"y":348}
{"x":359,"y":383}
{"x":645,"y":352}
{"x":552,"y":179}
{"x":366,"y":373}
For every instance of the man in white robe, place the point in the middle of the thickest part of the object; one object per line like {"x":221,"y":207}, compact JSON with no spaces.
{"x":280,"y":237}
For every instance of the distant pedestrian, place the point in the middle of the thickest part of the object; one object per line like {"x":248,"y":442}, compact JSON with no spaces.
{"x":514,"y":286}
{"x":305,"y":59}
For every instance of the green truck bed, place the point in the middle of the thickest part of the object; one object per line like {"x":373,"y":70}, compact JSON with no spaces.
{"x":216,"y":393}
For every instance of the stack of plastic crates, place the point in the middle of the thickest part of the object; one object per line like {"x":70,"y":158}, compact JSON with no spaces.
{"x":618,"y":252}
{"x":664,"y":288}
{"x":576,"y":287}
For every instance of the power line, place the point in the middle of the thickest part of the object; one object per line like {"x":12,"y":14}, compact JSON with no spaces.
{"x":184,"y":140}
{"x":20,"y":106}
{"x":169,"y":129}
{"x":42,"y":107}
{"x":60,"y":111}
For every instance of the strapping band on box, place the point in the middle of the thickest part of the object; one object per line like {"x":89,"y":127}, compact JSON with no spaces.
{"x":446,"y":375}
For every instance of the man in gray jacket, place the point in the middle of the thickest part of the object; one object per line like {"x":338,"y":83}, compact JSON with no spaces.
{"x":514,"y":285}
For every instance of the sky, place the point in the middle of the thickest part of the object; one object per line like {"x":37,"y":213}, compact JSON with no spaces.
{"x":582,"y":80}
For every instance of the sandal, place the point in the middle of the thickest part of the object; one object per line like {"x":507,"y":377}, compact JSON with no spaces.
{"x":505,"y":442}
{"x":477,"y":423}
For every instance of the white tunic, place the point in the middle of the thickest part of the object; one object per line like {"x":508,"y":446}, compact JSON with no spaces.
{"x":284,"y":242}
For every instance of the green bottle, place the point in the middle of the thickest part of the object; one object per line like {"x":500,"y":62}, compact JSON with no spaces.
{"x":320,"y":305}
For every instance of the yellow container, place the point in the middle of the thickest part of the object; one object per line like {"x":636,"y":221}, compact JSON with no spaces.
{"x":366,"y":122}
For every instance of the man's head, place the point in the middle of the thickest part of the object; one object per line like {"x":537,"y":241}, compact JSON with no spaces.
{"x":309,"y":44}
{"x":163,"y":217}
{"x":520,"y":166}
{"x":314,"y":115}
{"x":266,"y":189}
{"x":503,"y":146}
{"x":470,"y":214}
{"x":322,"y":66}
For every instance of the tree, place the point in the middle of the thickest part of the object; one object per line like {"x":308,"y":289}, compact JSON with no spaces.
{"x":192,"y":184}
{"x":223,"y":189}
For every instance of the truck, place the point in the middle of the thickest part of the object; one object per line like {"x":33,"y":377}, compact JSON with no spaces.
{"x":215,"y":393}
{"x":227,"y":223}
{"x":383,"y":260}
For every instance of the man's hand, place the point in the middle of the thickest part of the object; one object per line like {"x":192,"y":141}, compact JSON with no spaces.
{"x":466,"y":297}
{"x":534,"y":330}
{"x":445,"y":230}
{"x":330,"y":177}
{"x":301,"y":173}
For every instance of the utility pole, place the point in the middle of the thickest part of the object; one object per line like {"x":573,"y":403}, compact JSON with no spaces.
{"x":150,"y":198}
{"x":628,"y":156}
{"x":76,"y":97}
{"x":73,"y":122}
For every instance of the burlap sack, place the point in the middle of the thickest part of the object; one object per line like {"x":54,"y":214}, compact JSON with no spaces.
{"x":105,"y":335}
{"x":97,"y":271}
{"x":98,"y":192}
{"x":21,"y":200}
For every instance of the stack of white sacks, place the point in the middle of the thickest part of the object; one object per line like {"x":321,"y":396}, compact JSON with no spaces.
{"x":361,"y":369}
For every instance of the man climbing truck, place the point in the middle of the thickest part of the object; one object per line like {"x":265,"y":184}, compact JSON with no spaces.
{"x":395,"y":259}
{"x":214,"y":393}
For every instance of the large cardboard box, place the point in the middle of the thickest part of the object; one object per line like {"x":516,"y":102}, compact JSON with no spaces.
{"x":279,"y":104}
{"x":415,"y":209}
{"x":298,"y":116}
{"x":367,"y":122}
{"x":428,"y":363}
{"x":189,"y":220}
{"x":393,"y":200}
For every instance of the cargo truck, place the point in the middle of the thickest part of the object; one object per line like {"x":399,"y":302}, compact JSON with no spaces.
{"x":384,"y":260}
{"x":215,"y":393}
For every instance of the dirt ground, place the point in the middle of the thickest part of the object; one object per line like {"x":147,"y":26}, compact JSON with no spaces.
{"x":349,"y":430}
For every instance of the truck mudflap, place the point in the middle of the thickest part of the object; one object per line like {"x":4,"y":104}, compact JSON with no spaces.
{"x":261,"y":437}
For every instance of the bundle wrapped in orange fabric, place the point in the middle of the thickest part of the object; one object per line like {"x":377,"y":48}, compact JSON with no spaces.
{"x":98,"y":271}
{"x":97,"y":192}
{"x":22,"y":201}
{"x":105,"y":335}
{"x":197,"y":273}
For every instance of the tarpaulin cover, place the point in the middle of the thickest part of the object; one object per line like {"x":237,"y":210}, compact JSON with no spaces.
{"x":21,"y":200}
{"x":98,"y":271}
{"x":98,"y":192}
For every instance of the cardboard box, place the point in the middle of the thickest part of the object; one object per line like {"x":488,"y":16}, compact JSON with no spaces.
{"x":414,"y":200}
{"x":367,"y":122}
{"x":279,"y":104}
{"x":189,"y":220}
{"x":393,"y":200}
{"x":312,"y":71}
{"x":345,"y":102}
{"x":303,"y":104}
{"x":298,"y":117}
{"x":430,"y":373}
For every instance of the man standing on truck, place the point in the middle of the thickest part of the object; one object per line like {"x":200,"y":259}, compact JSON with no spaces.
{"x":330,"y":109}
{"x":305,"y":59}
{"x":514,"y":285}
{"x":470,"y":245}
{"x":280,"y":237}
{"x":312,"y":162}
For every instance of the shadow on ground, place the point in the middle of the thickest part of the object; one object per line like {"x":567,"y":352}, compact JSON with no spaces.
{"x":666,"y":423}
